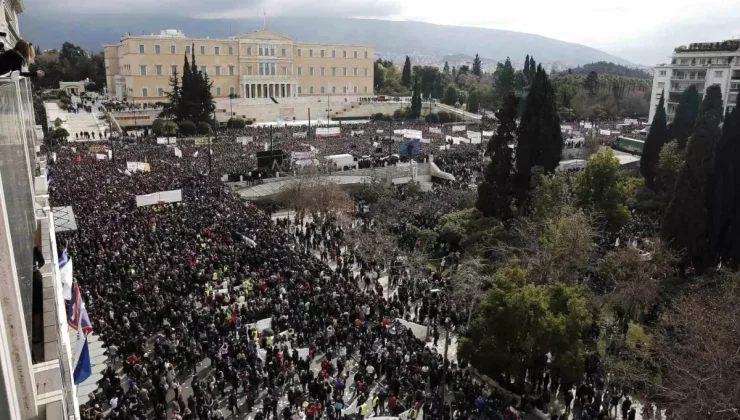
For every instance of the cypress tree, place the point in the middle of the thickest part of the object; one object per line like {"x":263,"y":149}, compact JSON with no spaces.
{"x":532,"y":68}
{"x":540,"y":141}
{"x":477,"y":66}
{"x":416,"y":100}
{"x":184,"y":110}
{"x":685,"y":223}
{"x":686,"y":112}
{"x":174,"y":99}
{"x":406,"y":74}
{"x":657,"y":137}
{"x":495,"y":193}
{"x":526,"y":68}
{"x":724,"y":194}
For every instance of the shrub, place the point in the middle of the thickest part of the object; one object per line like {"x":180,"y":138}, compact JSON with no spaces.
{"x":432,"y":118}
{"x":188,"y":128}
{"x":157,"y":126}
{"x":204,"y":128}
{"x":58,"y":122}
{"x":399,"y":114}
{"x":250,"y":122}
{"x":169,"y":128}
{"x":235,"y":123}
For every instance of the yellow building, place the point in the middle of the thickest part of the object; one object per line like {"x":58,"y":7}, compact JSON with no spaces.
{"x":262,"y":64}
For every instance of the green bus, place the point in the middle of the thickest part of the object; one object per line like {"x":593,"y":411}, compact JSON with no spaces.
{"x":629,"y":145}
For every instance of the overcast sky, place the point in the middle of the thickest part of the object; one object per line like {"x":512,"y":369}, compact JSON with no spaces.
{"x":642,"y":31}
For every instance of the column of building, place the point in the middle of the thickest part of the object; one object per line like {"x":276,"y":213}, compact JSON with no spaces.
{"x":266,"y":90}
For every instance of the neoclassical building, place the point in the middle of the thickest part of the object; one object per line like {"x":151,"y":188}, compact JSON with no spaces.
{"x":258,"y":65}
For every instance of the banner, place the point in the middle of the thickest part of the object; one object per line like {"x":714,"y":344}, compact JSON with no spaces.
{"x":161,"y":140}
{"x":435,"y":130}
{"x":101,"y":156}
{"x":97,"y":149}
{"x":358,"y":132}
{"x":244,"y":140}
{"x":137,"y":166}
{"x":302,"y":155}
{"x":379,"y":131}
{"x":426,"y":141}
{"x":328,"y":132}
{"x":264,"y":324}
{"x":488,"y":134}
{"x":566,"y":128}
{"x":301,"y":135}
{"x":588,"y":125}
{"x":419,"y":331}
{"x":412,"y":134}
{"x":458,"y":128}
{"x":605,"y":132}
{"x":474,"y":134}
{"x":178,"y":152}
{"x":172,"y":140}
{"x":201,"y":140}
{"x":173,"y":196}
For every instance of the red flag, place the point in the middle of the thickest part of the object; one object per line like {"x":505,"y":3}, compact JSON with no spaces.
{"x":79,"y":158}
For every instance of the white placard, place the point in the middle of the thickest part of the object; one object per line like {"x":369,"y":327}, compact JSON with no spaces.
{"x":161,"y":140}
{"x":301,"y":135}
{"x":358,"y":132}
{"x":328,"y":132}
{"x":458,"y":128}
{"x":488,"y":134}
{"x":172,"y":140}
{"x":172,"y":196}
{"x":379,"y":131}
{"x":101,"y":156}
{"x":435,"y":130}
{"x":605,"y":132}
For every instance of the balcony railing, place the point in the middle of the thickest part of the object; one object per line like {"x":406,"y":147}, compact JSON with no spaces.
{"x":687,"y":77}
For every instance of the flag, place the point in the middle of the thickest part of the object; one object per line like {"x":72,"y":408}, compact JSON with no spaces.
{"x":65,"y":271}
{"x":195,"y":154}
{"x":79,"y":321}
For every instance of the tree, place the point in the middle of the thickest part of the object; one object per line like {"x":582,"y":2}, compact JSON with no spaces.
{"x":685,"y":222}
{"x":172,"y":108}
{"x":526,"y":67}
{"x":686,"y":113}
{"x":540,"y":141}
{"x":473,"y":102}
{"x":236,"y":123}
{"x":469,"y":284}
{"x":670,"y":162}
{"x":657,"y":137}
{"x":316,"y":194}
{"x":495,"y":193}
{"x":476,"y":66}
{"x":446,"y":69}
{"x":406,"y":74}
{"x":724,"y":198}
{"x":504,"y":77}
{"x":60,"y":134}
{"x":591,"y":83}
{"x":450,"y":96}
{"x":204,"y":128}
{"x":532,"y":68}
{"x":188,"y":128}
{"x":598,"y":188}
{"x":415,"y":101}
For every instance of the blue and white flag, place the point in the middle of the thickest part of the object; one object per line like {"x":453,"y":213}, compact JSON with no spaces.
{"x":66,"y":274}
{"x":79,"y":321}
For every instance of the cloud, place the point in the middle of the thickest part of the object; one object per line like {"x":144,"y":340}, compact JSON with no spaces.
{"x":223,"y":9}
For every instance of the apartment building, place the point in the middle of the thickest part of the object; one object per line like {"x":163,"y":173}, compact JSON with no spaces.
{"x":261,"y":64}
{"x":702,"y":64}
{"x":9,"y":22}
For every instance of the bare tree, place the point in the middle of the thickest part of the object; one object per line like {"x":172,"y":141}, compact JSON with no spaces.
{"x":316,"y":194}
{"x":468,"y":284}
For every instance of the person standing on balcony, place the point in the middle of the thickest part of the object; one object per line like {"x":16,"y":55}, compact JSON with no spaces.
{"x":16,"y":59}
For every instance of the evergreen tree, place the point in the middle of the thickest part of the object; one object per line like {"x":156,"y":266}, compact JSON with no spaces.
{"x":532,"y":68}
{"x":724,"y":192}
{"x":446,"y":69}
{"x":184,"y":111}
{"x":685,"y":223}
{"x":406,"y":74}
{"x":476,"y":66}
{"x":526,"y":68}
{"x":591,"y":83}
{"x":450,"y":96}
{"x":171,"y":108}
{"x":540,"y":141}
{"x":504,"y":77}
{"x":416,"y":100}
{"x":686,"y":112}
{"x":473,"y":101}
{"x":657,"y":137}
{"x":495,"y":193}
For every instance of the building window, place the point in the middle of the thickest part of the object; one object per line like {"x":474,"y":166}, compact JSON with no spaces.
{"x":300,"y":90}
{"x":249,"y":71}
{"x":259,"y":51}
{"x":160,"y":92}
{"x":173,"y":49}
{"x":344,"y":90}
{"x":142,"y":70}
{"x":344,"y":71}
{"x":249,"y":50}
{"x":354,"y":71}
{"x":231,"y":50}
{"x":310,"y":90}
{"x":661,"y":85}
{"x":333,"y":71}
{"x":232,"y":91}
{"x":365,"y":57}
{"x":272,"y":51}
{"x":159,"y":70}
{"x":322,"y":71}
{"x":283,"y":52}
{"x":365,"y":86}
{"x":355,"y":89}
{"x":365,"y":72}
{"x":217,"y":50}
{"x":299,"y":55}
{"x":322,"y":90}
{"x":300,"y":70}
{"x":272,"y":69}
{"x":218,"y":91}
{"x":310,"y":54}
{"x":333,"y":53}
{"x":285,"y":71}
{"x":322,"y":53}
{"x":310,"y":71}
{"x":333,"y":89}
{"x":202,"y":50}
{"x":157,"y":49}
{"x":662,"y":72}
{"x":173,"y":69}
{"x":218,"y":70}
{"x":231,"y":70}
{"x":718,"y":73}
{"x":144,"y":92}
{"x":187,"y":49}
{"x":344,"y":54}
{"x":204,"y":69}
{"x":141,"y":48}
{"x":261,"y":69}
{"x":355,"y":54}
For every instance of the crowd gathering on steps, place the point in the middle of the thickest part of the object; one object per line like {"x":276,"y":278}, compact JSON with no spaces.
{"x":169,"y":287}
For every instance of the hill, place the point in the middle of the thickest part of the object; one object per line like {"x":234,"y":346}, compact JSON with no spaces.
{"x":412,"y":38}
{"x":603,"y":67}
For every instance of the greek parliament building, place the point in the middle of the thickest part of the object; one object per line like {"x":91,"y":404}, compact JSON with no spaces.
{"x":259,"y":65}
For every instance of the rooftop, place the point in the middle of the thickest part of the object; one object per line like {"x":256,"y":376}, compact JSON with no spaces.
{"x":728,"y":45}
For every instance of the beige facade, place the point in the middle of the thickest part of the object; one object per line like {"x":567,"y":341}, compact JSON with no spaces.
{"x":259,"y":65}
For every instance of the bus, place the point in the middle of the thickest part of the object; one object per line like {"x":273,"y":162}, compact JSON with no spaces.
{"x":629,"y":145}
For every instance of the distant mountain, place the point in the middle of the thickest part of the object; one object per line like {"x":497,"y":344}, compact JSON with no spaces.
{"x":393,"y":37}
{"x":602,"y":67}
